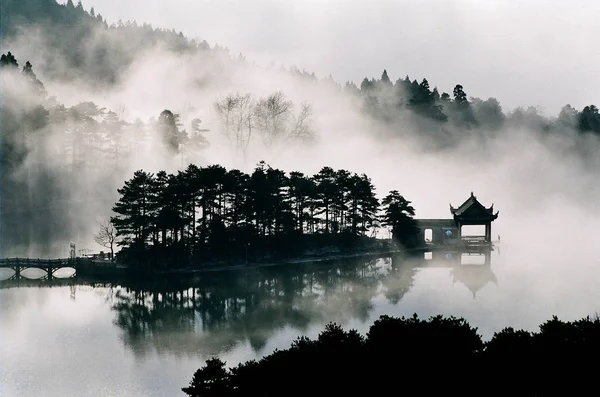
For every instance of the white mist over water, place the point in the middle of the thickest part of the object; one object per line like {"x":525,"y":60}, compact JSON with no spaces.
{"x":68,"y":341}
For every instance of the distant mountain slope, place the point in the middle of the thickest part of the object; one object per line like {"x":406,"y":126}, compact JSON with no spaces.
{"x":59,"y":38}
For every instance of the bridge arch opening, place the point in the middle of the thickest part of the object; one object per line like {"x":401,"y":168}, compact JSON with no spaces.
{"x":33,"y":273}
{"x":5,"y":274}
{"x":64,"y":272}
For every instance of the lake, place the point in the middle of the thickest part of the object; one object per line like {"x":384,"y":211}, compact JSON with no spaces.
{"x":74,"y":337}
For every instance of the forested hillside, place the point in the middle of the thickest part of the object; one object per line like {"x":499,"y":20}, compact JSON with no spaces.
{"x":82,"y":44}
{"x":81,"y":41}
{"x":62,"y":163}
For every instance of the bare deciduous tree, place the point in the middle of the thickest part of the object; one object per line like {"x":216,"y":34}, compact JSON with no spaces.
{"x":106,"y":236}
{"x":279,"y":125}
{"x":236,"y":114}
{"x":273,"y":114}
{"x":272,"y":117}
{"x":302,"y":129}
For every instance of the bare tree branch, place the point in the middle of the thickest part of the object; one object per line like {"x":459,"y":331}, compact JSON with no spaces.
{"x":236,"y":113}
{"x":106,"y":236}
{"x":272,"y":117}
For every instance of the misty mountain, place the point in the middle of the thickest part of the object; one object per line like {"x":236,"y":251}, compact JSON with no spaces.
{"x":444,"y":119}
{"x":83,"y":43}
{"x":62,"y":165}
{"x":147,"y":98}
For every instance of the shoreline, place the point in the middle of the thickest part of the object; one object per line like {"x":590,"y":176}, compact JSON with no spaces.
{"x":217,"y":268}
{"x":281,"y":263}
{"x":103,"y":272}
{"x":99,"y":268}
{"x":324,"y":258}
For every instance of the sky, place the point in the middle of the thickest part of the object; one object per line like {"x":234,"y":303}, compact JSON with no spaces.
{"x":541,"y":53}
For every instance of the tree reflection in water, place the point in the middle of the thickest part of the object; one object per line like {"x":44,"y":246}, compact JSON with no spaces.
{"x":213,"y":313}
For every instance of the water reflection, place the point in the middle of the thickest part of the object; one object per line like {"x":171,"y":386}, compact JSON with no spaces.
{"x":471,"y":268}
{"x":225,"y":310}
{"x":214,"y":313}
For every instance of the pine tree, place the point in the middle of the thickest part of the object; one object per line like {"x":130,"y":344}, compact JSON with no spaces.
{"x":28,"y":72}
{"x":211,"y":380}
{"x":385,"y":78}
{"x":135,"y":211}
{"x":366,"y":85}
{"x":589,"y":119}
{"x":398,"y":214}
{"x":460,"y":97}
{"x":463,"y":107}
{"x":299,"y":193}
{"x":8,"y":60}
{"x":168,"y":124}
{"x":362,"y":204}
{"x":326,"y":189}
{"x":368,"y":203}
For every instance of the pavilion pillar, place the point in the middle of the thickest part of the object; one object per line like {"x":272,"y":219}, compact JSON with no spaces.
{"x":488,"y":232}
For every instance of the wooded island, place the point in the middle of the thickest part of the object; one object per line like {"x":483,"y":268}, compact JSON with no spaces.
{"x":206,"y":214}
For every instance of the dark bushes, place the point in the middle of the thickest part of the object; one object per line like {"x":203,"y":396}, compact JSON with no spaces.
{"x":413,"y":356}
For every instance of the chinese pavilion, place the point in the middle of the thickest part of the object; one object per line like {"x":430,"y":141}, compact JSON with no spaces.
{"x":448,"y":231}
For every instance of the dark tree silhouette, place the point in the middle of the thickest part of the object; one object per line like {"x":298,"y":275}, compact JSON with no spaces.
{"x":210,"y":213}
{"x":168,"y":125}
{"x":345,"y":362}
{"x":135,"y":210}
{"x":589,"y":119}
{"x":37,"y":85}
{"x":459,"y":95}
{"x":211,"y":380}
{"x":463,"y":108}
{"x":398,"y":214}
{"x":8,"y":59}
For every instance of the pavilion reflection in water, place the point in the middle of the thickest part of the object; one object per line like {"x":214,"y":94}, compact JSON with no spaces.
{"x":213,"y":313}
{"x":470,"y":267}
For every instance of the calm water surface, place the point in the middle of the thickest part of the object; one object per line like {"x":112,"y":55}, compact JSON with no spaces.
{"x":83,"y":338}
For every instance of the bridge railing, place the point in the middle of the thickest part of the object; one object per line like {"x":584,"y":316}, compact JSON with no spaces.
{"x":35,"y":261}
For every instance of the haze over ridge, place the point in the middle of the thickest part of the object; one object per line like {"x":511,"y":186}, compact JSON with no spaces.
{"x":538,"y":53}
{"x":506,"y":166}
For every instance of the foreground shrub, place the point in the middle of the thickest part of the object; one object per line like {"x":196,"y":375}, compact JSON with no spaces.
{"x":413,"y":356}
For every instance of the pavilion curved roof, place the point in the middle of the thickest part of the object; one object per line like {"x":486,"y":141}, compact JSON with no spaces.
{"x":473,"y":208}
